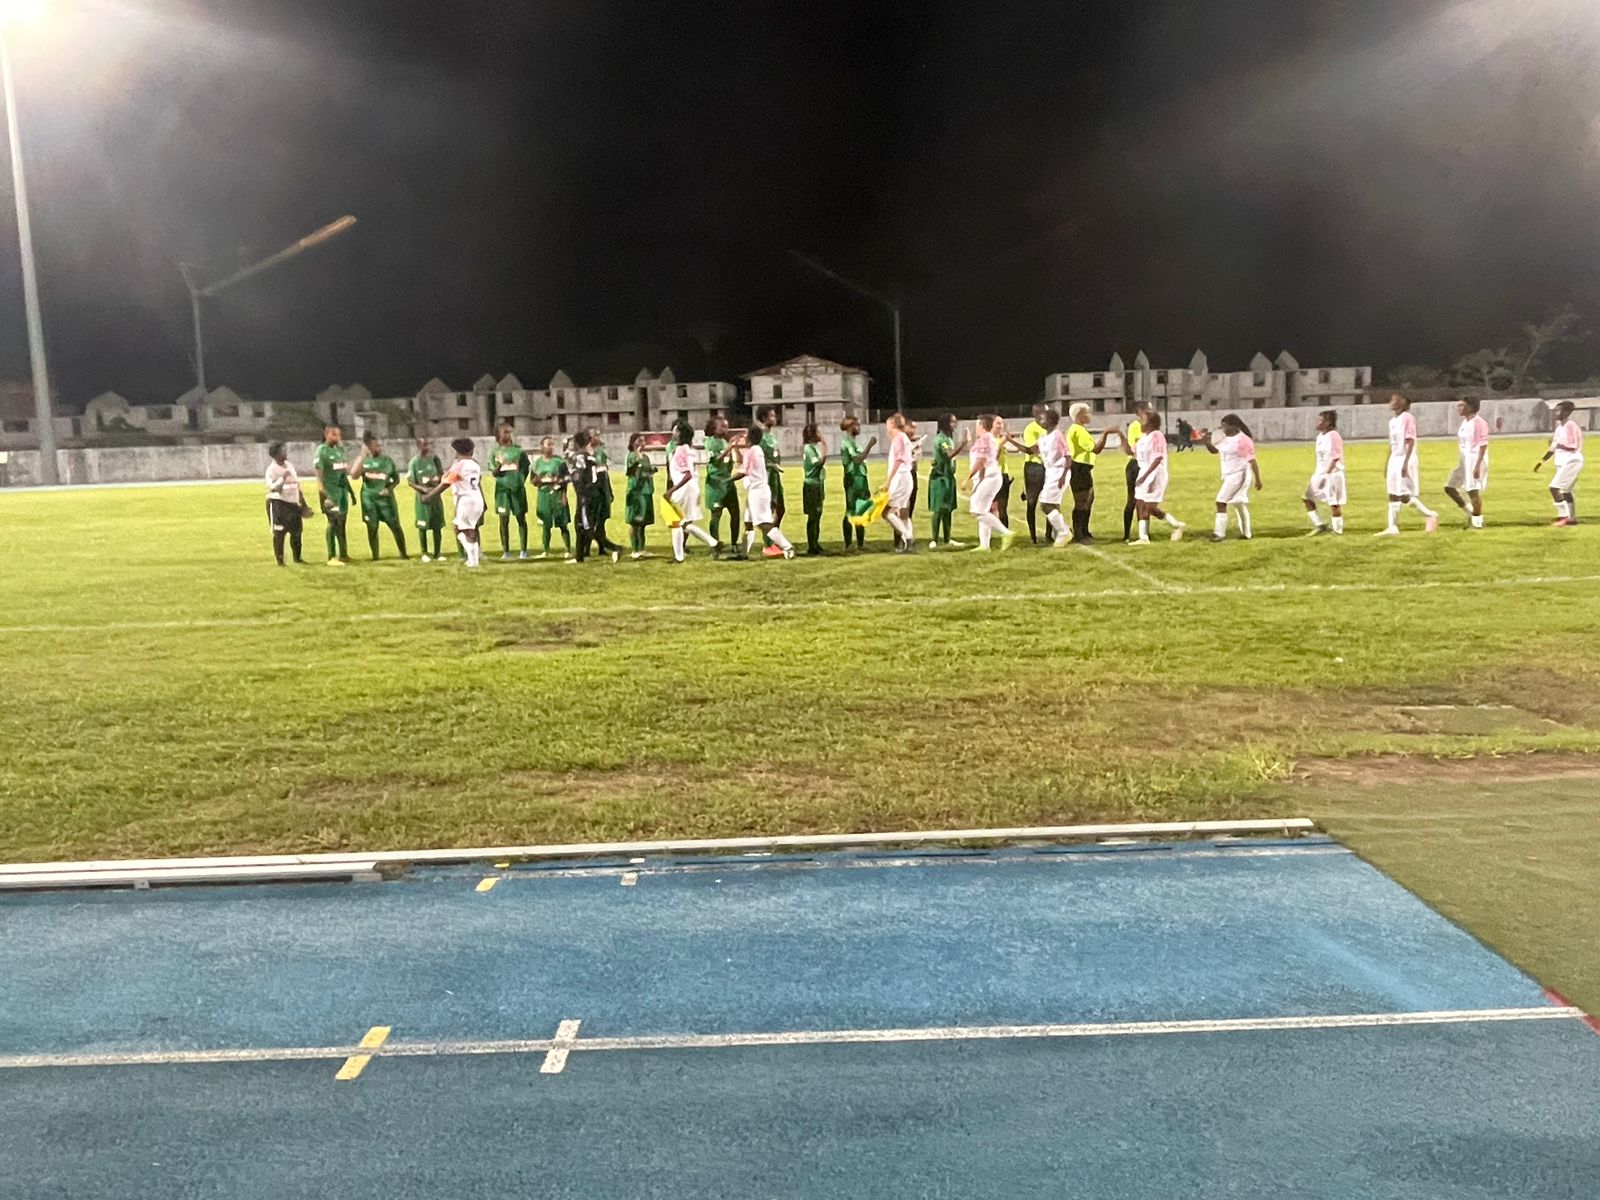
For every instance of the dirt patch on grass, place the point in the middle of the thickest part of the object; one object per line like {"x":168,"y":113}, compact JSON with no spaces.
{"x":1400,"y":770}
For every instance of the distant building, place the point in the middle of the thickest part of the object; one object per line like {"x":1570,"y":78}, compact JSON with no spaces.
{"x":1264,"y":384}
{"x":809,"y":389}
{"x":671,"y":401}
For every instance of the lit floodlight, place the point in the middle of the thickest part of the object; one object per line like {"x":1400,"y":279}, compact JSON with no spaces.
{"x":21,"y":12}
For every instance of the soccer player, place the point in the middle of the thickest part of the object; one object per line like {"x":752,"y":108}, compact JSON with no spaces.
{"x":1239,"y":470}
{"x":465,"y":481}
{"x":1566,"y":447}
{"x":334,"y":492}
{"x":602,"y":462}
{"x":1150,"y":484}
{"x":902,"y":468}
{"x":1401,"y":475}
{"x":1327,"y":484}
{"x":984,"y":478}
{"x":767,"y":419}
{"x":721,"y":495}
{"x":550,"y":477}
{"x":423,"y":473}
{"x":758,"y":492}
{"x":1472,"y":466}
{"x":683,"y":493}
{"x":286,"y":508}
{"x":509,"y":466}
{"x":1084,"y":449}
{"x":857,"y":489}
{"x":1050,"y":448}
{"x":1033,"y":469}
{"x":640,"y":503}
{"x":379,"y":478}
{"x":814,"y":487}
{"x":1131,"y":470}
{"x":584,"y":471}
{"x":942,"y":483}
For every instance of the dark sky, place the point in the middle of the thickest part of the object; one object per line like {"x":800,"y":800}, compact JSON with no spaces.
{"x":600,"y":185}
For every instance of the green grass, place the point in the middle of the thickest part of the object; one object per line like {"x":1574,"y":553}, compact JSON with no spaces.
{"x":172,"y":691}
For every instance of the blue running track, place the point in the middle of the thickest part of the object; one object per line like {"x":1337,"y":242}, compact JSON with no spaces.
{"x":1249,"y":1020}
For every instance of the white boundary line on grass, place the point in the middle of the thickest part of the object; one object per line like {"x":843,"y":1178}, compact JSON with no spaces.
{"x":1171,"y":590}
{"x":567,"y":1040}
{"x":1146,"y":576}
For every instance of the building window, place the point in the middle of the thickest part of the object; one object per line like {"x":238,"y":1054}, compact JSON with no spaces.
{"x":509,"y":422}
{"x":1259,"y":379}
{"x":462,"y":424}
{"x":683,"y":391}
{"x":561,"y":424}
{"x":1324,"y":376}
{"x":258,"y":410}
{"x":14,"y":426}
{"x":1161,"y":378}
{"x":505,"y":401}
{"x":226,"y":410}
{"x":611,"y":393}
{"x":162,"y":413}
{"x":1100,"y":406}
{"x":461,"y":401}
{"x":811,"y":410}
{"x":1099,"y":382}
{"x":561,"y":399}
{"x":777,"y":391}
{"x":640,"y":395}
{"x":810,"y":390}
{"x":613,"y":418}
{"x":1063,"y":386}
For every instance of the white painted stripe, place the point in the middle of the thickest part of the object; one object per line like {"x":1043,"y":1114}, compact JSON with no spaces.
{"x":1159,"y":584}
{"x":555,"y":1059}
{"x":567,"y":1040}
{"x":721,"y":609}
{"x":112,"y":875}
{"x":904,"y":837}
{"x":630,"y":878}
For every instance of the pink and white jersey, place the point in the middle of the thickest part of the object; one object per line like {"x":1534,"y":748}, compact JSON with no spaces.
{"x":1402,"y":429}
{"x":681,"y":465}
{"x":283,"y":482}
{"x":1150,"y":447}
{"x":755,"y":467}
{"x":1567,"y":442}
{"x":1237,"y":452}
{"x":1052,"y":449}
{"x":465,"y":479}
{"x":900,"y":453}
{"x":982,"y":454}
{"x":1473,"y":434}
{"x":1330,"y":452}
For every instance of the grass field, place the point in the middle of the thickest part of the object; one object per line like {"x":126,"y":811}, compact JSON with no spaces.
{"x":174,"y":691}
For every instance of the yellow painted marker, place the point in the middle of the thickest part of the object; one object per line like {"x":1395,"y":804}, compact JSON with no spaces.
{"x":357,"y":1063}
{"x":485,"y":884}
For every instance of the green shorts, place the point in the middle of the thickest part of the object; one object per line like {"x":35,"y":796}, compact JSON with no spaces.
{"x":376,"y":509}
{"x":429,"y":514}
{"x":812,"y":496}
{"x":641,"y":507}
{"x":941,"y":494}
{"x":553,"y":507}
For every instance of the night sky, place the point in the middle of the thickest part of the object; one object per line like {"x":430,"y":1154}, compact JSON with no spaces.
{"x":599,"y":186}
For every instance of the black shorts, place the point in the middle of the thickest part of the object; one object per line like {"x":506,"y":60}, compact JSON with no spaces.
{"x":284,"y":515}
{"x":1033,"y":479}
{"x":1082,"y":477}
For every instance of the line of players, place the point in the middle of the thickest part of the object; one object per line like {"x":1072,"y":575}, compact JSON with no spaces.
{"x":1059,"y":462}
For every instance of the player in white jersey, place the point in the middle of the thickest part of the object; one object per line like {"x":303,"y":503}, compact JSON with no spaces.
{"x":1150,"y":485}
{"x":1239,"y":470}
{"x":984,"y":478}
{"x":465,"y":481}
{"x":1566,"y":447}
{"x":1471,"y":475}
{"x":1327,"y":484}
{"x":758,"y":492}
{"x":683,"y":493}
{"x":1401,"y":475}
{"x":1055,"y":461}
{"x":902,"y":482}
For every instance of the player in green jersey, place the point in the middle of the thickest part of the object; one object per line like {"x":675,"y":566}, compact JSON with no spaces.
{"x":640,"y":503}
{"x":550,"y":476}
{"x":942,"y":483}
{"x":857,"y":489}
{"x":721,"y":494}
{"x":423,"y":473}
{"x":508,"y":463}
{"x":813,"y":488}
{"x":334,"y":492}
{"x":379,"y":478}
{"x":602,"y":461}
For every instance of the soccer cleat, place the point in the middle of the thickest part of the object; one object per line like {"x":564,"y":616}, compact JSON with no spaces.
{"x":771,"y":552}
{"x":1005,"y":542}
{"x":505,"y":556}
{"x":339,"y":562}
{"x":788,"y":552}
{"x":955,"y":545}
{"x":1177,"y":532}
{"x":1144,"y":541}
{"x":933,"y":545}
{"x":523,"y":557}
{"x":543,"y":555}
{"x":1432,"y":524}
{"x":616,"y":556}
{"x":1564,"y":522}
{"x":1218,"y":537}
{"x":426,"y":559}
{"x":570,"y":561}
{"x":1389,"y":532}
{"x":1316,"y":531}
{"x":1063,"y":541}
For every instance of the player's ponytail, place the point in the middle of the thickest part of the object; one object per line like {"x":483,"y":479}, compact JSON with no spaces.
{"x":1244,"y":429}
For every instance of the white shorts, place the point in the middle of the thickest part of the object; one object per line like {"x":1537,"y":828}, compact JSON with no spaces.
{"x":983,"y":494}
{"x":1462,"y":481}
{"x":758,"y":504}
{"x":469,"y":511}
{"x":1328,"y":489}
{"x":1054,"y":489}
{"x":1566,"y":475}
{"x":1153,"y":489}
{"x":1402,"y":483}
{"x":900,"y":488}
{"x":1235,"y":488}
{"x":687,"y":501}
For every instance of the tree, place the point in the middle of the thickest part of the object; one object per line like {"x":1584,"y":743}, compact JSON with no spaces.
{"x":1537,"y":339}
{"x":1488,"y":371}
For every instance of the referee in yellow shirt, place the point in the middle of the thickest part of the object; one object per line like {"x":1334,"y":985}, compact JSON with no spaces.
{"x":1033,"y":469}
{"x":1084,"y":449}
{"x":1130,"y":439}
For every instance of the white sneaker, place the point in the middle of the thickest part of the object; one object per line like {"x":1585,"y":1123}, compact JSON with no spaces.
{"x":571,"y":561}
{"x":1062,"y":542}
{"x":523,"y":557}
{"x":1144,"y":541}
{"x":788,"y":552}
{"x":1177,"y":530}
{"x":955,"y":545}
{"x":543,"y":554}
{"x":616,"y":556}
{"x":933,"y":545}
{"x":425,"y":558}
{"x":1392,"y":531}
{"x":505,"y":556}
{"x":636,"y":555}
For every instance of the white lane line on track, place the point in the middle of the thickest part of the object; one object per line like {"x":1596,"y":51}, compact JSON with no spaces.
{"x":567,"y":1040}
{"x":1173,"y":590}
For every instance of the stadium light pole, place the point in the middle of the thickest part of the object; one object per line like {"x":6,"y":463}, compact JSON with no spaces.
{"x":894,"y":306}
{"x":14,"y":13}
{"x":197,"y":293}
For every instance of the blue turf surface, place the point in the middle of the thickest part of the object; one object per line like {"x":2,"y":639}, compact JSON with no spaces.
{"x":1169,"y":934}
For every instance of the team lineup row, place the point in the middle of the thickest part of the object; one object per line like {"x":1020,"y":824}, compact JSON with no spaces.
{"x":1058,"y":474}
